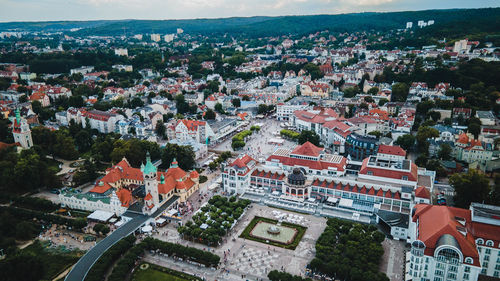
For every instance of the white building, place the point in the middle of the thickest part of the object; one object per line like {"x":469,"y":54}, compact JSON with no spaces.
{"x":82,"y":70}
{"x":21,"y":131}
{"x":121,"y":52}
{"x":169,"y":37}
{"x":102,"y":121}
{"x":236,"y":176}
{"x":409,"y":25}
{"x":450,"y":243}
{"x":155,"y":37}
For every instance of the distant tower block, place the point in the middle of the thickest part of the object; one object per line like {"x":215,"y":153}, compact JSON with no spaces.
{"x":409,"y":25}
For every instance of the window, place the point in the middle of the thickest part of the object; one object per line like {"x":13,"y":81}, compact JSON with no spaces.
{"x":496,"y":274}
{"x":468,"y":260}
{"x":480,"y":241}
{"x":467,"y":269}
{"x":489,"y":243}
{"x":405,"y":178}
{"x":488,"y":251}
{"x":466,"y":276}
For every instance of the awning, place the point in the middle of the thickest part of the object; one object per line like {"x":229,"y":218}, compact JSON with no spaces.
{"x":344,"y":202}
{"x":332,"y":200}
{"x":101,"y":216}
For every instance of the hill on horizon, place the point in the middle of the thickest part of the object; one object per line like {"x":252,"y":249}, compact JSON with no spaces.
{"x":484,"y":20}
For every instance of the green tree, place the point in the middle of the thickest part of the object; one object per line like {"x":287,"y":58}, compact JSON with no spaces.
{"x":309,"y":136}
{"x":423,"y":134}
{"x":160,"y":129}
{"x":236,"y":102}
{"x":373,"y":91}
{"x":405,"y":141}
{"x":472,"y":186}
{"x":399,"y":92}
{"x":444,"y":152}
{"x":209,"y":114}
{"x":218,"y":108}
{"x":313,"y":70}
{"x":474,"y":127}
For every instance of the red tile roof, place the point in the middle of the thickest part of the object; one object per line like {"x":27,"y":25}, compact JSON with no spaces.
{"x":422,"y":192}
{"x":388,"y":173}
{"x":391,"y":149}
{"x":436,"y":221}
{"x":125,"y":197}
{"x":307,"y":149}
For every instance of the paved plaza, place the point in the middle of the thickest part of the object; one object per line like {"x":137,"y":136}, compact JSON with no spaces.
{"x":257,"y":144}
{"x":250,"y":258}
{"x":393,"y":259}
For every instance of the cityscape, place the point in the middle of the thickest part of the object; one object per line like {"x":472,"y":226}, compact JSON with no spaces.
{"x":240,"y":140}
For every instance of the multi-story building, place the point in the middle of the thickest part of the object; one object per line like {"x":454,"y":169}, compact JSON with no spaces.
{"x":312,"y":159}
{"x":82,"y":70}
{"x":285,"y":110}
{"x":184,"y":130}
{"x":471,"y":150}
{"x":113,"y":192}
{"x":121,"y":52}
{"x":450,"y":243}
{"x":359,"y":147}
{"x":236,"y":175}
{"x":102,"y":121}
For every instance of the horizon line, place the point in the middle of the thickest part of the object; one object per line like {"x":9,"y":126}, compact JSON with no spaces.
{"x":232,"y":17}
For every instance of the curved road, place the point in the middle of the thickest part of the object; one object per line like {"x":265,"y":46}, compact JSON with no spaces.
{"x":81,"y":268}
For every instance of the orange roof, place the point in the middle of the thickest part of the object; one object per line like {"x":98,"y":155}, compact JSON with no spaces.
{"x":148,"y":197}
{"x":391,"y":149}
{"x":422,"y":192}
{"x":436,"y":221}
{"x":125,"y":197}
{"x":194,"y":174}
{"x":308,"y":149}
{"x":175,"y":172}
{"x":101,"y":187}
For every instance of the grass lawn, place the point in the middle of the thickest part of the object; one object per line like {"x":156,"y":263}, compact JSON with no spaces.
{"x":301,"y":230}
{"x":157,"y":273}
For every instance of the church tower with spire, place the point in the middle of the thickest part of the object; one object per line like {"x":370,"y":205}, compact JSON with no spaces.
{"x":149,"y":173}
{"x":21,"y":131}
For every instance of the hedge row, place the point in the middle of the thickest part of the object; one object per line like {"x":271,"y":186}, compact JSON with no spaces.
{"x":26,"y":214}
{"x":101,"y":266}
{"x":172,"y":272}
{"x":275,"y":275}
{"x":186,"y":253}
{"x":35,"y":203}
{"x":125,"y":265}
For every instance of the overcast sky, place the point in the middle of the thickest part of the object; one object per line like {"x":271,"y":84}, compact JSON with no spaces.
{"x":48,"y":10}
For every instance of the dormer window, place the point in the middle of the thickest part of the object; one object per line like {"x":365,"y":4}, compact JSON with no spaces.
{"x":480,"y":241}
{"x":405,"y":178}
{"x":469,"y":260}
{"x":489,"y":243}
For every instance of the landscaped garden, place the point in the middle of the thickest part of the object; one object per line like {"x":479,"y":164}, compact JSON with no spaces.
{"x":213,"y":220}
{"x":148,"y":272}
{"x":271,"y":232}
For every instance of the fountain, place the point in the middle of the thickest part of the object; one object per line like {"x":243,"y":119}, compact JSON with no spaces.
{"x":273,"y":230}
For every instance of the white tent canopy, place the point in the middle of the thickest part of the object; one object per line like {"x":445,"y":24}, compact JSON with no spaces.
{"x":147,"y":228}
{"x":101,"y":216}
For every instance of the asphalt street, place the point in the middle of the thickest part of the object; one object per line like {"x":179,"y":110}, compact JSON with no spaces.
{"x":82,"y":267}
